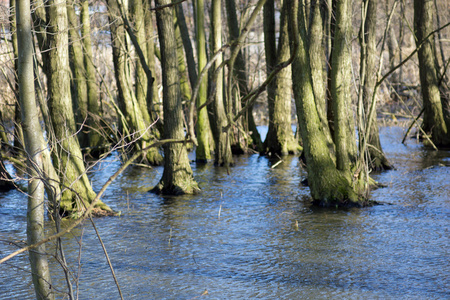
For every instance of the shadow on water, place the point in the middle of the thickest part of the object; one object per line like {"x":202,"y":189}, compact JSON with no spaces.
{"x":253,"y":234}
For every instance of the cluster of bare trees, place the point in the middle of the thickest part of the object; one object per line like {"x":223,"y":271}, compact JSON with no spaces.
{"x":207,"y":99}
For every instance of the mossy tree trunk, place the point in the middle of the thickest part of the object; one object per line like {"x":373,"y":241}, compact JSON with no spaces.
{"x":329,"y":184}
{"x":433,"y":119}
{"x":78,"y":77}
{"x":222,"y":154}
{"x":94,"y":121}
{"x":368,"y":70}
{"x":134,"y":127}
{"x":340,"y":87}
{"x":203,"y":129}
{"x":33,"y":139}
{"x":177,"y":177}
{"x":67,"y":155}
{"x":280,"y":138}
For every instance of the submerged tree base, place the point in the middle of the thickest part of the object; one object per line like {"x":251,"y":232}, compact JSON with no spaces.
{"x":181,"y":187}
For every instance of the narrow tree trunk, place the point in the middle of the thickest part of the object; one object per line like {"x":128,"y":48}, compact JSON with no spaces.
{"x":154,"y":101}
{"x":188,"y":49}
{"x":96,"y":140}
{"x":222,"y":155}
{"x":177,"y":177}
{"x":433,"y":119}
{"x":33,"y":139}
{"x":18,"y":133}
{"x":203,"y":130}
{"x":376,"y":159}
{"x":240,"y":73}
{"x":186,"y":88}
{"x":280,"y":138}
{"x":78,"y":78}
{"x":141,"y":82}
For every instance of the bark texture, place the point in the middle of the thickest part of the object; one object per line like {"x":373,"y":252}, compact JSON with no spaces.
{"x":177,"y":177}
{"x":34,"y":148}
{"x":433,"y":119}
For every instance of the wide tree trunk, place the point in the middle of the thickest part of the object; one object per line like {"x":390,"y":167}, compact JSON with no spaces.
{"x":33,"y":140}
{"x":78,"y":192}
{"x":340,"y":87}
{"x":280,"y":138}
{"x":376,"y":158}
{"x":329,"y":185}
{"x":433,"y":119}
{"x":177,"y":177}
{"x":222,"y":154}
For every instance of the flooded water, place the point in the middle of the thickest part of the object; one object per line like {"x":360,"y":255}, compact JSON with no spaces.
{"x":253,"y":234}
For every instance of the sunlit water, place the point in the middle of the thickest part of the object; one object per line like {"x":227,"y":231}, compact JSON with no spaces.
{"x":253,"y":234}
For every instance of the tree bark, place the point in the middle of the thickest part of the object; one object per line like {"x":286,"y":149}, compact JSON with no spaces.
{"x":376,"y":159}
{"x":177,"y":177}
{"x":134,"y":126}
{"x":433,"y":119}
{"x":222,"y":155}
{"x":239,"y":71}
{"x":78,"y":78}
{"x":341,"y":78}
{"x":203,"y":130}
{"x":96,"y":140}
{"x":33,"y":141}
{"x":280,"y":138}
{"x":67,"y":155}
{"x":329,"y":185}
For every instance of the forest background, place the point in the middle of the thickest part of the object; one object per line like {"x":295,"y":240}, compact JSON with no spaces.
{"x":152,"y":79}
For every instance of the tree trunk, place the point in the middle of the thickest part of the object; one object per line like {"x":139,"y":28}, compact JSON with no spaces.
{"x":189,"y":51}
{"x":376,"y":159}
{"x":433,"y":119}
{"x":78,"y":78}
{"x":33,"y":140}
{"x":67,"y":154}
{"x":280,"y":138}
{"x":154,"y":101}
{"x":341,"y":79}
{"x":177,"y":177}
{"x":240,"y":73}
{"x":18,"y":133}
{"x":329,"y":186}
{"x":96,"y":140}
{"x":222,"y":155}
{"x":134,"y":128}
{"x":203,"y":130}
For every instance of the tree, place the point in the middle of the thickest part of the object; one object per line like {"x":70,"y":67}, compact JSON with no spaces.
{"x":433,"y":120}
{"x":203,"y":131}
{"x":239,"y":72}
{"x":280,"y":138}
{"x":222,"y":155}
{"x":331,"y":182}
{"x":177,"y":177}
{"x":134,"y":115}
{"x":34,"y":149}
{"x":67,"y":156}
{"x":368,"y":76}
